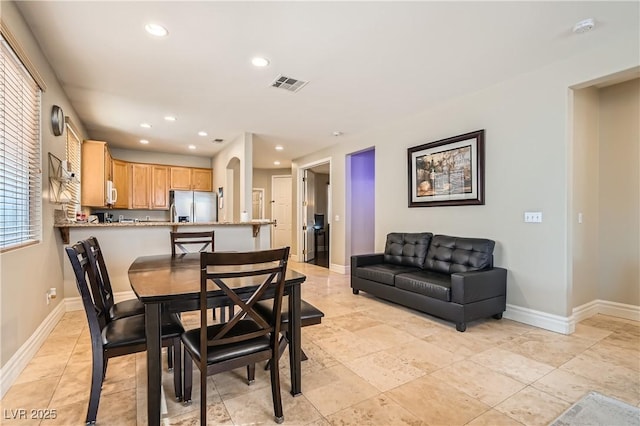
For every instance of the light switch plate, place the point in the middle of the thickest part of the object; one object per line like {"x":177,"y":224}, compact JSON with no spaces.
{"x":533,"y":217}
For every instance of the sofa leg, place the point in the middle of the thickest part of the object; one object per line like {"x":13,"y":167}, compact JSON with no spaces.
{"x":356,"y":291}
{"x":461,"y":326}
{"x":497,"y":316}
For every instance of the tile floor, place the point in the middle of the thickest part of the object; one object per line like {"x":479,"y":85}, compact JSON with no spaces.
{"x":370,"y":363}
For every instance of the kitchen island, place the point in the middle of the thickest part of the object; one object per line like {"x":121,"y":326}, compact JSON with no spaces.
{"x":122,"y":243}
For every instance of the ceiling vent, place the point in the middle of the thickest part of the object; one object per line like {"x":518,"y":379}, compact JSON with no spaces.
{"x":288,"y":83}
{"x":217,"y":140}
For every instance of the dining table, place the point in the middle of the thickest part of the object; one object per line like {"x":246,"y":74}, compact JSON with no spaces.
{"x":166,"y":283}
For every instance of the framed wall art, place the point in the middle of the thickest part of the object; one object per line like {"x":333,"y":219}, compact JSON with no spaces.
{"x":448,"y":172}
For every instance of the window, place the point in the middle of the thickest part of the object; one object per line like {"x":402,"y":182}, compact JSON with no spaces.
{"x":20,"y":175}
{"x":73,"y":150}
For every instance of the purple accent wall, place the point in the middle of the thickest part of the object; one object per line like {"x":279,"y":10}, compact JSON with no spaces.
{"x":362,"y":181}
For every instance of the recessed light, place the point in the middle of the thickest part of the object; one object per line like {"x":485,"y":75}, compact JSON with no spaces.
{"x":145,"y":125}
{"x":260,"y":62}
{"x":202,"y":133}
{"x":337,"y":133}
{"x":279,"y":147}
{"x":277,"y":163}
{"x":170,"y":118}
{"x":144,"y":141}
{"x":192,"y":147}
{"x":584,"y":26}
{"x":156,"y":30}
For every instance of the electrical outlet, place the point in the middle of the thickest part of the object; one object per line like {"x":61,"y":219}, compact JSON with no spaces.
{"x":533,"y":217}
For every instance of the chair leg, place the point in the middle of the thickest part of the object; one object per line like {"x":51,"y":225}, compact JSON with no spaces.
{"x":251,"y":373}
{"x":169,"y":359}
{"x":97,"y":377}
{"x":203,"y":397}
{"x":275,"y":388}
{"x":188,"y":377}
{"x":177,"y":372}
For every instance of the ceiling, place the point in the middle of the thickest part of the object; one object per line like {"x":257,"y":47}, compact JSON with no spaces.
{"x":367,"y":64}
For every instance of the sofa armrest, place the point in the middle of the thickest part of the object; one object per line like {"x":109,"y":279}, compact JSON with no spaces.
{"x":366,"y":260}
{"x":472,"y":286}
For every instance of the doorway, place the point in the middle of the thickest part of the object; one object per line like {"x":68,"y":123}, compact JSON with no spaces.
{"x":257,"y":203}
{"x":281,"y":210}
{"x":315,"y":213}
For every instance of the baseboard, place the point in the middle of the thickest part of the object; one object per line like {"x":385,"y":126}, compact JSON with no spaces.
{"x":12,"y":369}
{"x":556,"y":323}
{"x":75,"y":303}
{"x":604,"y":307}
{"x":340,"y":269}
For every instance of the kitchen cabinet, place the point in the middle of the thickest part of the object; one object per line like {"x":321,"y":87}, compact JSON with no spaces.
{"x":149,"y":186}
{"x":95,"y":172}
{"x":120,"y":171}
{"x":201,"y":179}
{"x":191,"y":179}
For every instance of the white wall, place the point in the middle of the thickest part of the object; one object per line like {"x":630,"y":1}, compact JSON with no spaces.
{"x":619,"y":215}
{"x":139,"y":156}
{"x":527,"y":122}
{"x":242,"y":149}
{"x":584,"y":201}
{"x":27,"y":273}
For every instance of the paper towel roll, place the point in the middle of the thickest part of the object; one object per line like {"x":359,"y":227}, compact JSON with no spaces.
{"x":244,"y":217}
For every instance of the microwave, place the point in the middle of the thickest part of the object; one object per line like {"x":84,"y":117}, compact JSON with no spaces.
{"x":111,"y":193}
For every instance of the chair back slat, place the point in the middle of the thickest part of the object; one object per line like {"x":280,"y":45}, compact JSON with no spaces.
{"x":85,"y":277}
{"x":180,"y":239}
{"x":102,"y":282}
{"x":265,"y":270}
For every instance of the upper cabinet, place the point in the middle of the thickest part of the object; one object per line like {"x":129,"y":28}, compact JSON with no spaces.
{"x":95,"y":172}
{"x":159,"y":187}
{"x":191,"y":179}
{"x":120,"y":170}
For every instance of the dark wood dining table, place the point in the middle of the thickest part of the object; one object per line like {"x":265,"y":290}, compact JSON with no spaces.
{"x":172,"y":283}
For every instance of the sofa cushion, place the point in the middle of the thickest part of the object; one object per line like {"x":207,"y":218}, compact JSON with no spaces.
{"x":454,"y":254}
{"x":407,"y":249}
{"x":382,"y":273}
{"x":431,"y":284}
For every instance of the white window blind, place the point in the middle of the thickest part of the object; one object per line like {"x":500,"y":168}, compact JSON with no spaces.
{"x":20,"y":175}
{"x":74,"y":145}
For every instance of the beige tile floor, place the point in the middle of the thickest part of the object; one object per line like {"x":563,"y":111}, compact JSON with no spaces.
{"x":370,"y":363}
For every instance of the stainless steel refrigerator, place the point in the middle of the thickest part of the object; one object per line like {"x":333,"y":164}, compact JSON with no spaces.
{"x":193,"y":206}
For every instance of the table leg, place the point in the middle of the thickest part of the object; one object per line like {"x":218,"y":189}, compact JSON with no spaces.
{"x":154,"y":366}
{"x":295,"y":334}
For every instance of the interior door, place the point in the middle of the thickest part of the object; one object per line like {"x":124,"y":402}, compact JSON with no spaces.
{"x":281,"y":211}
{"x":308,"y":211}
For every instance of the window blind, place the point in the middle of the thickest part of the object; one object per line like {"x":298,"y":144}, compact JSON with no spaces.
{"x":74,"y":145}
{"x":20,"y":175}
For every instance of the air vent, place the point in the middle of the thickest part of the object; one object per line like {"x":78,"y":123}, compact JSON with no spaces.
{"x":217,"y":140}
{"x":288,"y":83}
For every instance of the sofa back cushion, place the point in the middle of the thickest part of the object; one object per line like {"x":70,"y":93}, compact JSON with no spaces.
{"x":409,"y":249}
{"x":454,"y":254}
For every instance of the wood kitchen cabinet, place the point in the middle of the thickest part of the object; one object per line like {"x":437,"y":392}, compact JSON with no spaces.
{"x":149,"y":186}
{"x":95,"y":172}
{"x":120,"y":171}
{"x":191,"y":179}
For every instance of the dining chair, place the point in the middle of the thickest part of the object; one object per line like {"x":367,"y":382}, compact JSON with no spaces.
{"x":111,"y":338}
{"x":309,"y":315}
{"x":207,"y":241}
{"x":102,"y":286}
{"x":179,"y":239}
{"x":248,"y":337}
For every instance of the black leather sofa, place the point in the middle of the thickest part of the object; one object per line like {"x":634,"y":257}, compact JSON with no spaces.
{"x":448,"y":277}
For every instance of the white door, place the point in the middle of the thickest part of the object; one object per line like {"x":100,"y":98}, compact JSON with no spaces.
{"x":281,"y":211}
{"x":309,"y":209}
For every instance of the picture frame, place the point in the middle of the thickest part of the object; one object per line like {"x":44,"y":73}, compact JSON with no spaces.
{"x":448,"y":172}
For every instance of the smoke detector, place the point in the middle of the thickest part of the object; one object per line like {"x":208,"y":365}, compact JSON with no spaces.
{"x":584,"y":26}
{"x":288,"y":83}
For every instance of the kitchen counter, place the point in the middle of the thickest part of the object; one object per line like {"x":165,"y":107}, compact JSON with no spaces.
{"x":65,"y":226}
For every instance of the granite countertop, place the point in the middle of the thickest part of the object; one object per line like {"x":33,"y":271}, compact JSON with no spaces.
{"x":155,"y":223}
